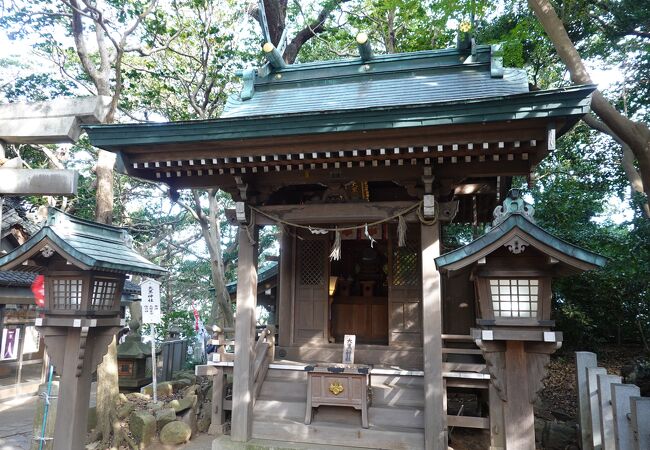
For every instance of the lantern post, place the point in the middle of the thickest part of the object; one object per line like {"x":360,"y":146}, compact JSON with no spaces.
{"x":85,"y":265}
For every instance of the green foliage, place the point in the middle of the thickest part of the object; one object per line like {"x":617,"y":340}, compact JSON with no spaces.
{"x":571,"y":197}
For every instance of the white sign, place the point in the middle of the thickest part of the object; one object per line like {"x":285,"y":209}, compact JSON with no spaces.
{"x":9,"y":347}
{"x":150,"y":292}
{"x":349,"y":341}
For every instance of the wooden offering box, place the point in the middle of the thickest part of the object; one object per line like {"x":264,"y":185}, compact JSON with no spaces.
{"x":338,"y":386}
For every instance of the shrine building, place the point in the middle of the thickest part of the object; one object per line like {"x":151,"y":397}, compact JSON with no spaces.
{"x":363,"y":164}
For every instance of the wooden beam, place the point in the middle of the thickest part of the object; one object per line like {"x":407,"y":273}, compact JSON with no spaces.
{"x":242,"y":396}
{"x":435,"y":414}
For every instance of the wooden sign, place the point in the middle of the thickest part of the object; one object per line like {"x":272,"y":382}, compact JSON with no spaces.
{"x":349,"y":342}
{"x":150,"y":291}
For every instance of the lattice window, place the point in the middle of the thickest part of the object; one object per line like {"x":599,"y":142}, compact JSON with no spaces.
{"x":406,"y":267}
{"x":103,"y":294}
{"x":66,"y":293}
{"x":312,"y":263}
{"x":514,"y":298}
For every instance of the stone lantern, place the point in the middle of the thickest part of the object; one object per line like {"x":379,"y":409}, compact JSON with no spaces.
{"x":132,"y":357}
{"x":512,"y":266}
{"x":85,"y":265}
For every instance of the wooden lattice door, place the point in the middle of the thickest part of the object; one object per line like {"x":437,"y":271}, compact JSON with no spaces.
{"x":311,"y":289}
{"x":405,"y":292}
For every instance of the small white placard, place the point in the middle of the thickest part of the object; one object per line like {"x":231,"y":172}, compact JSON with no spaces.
{"x":487,"y":335}
{"x":150,"y":292}
{"x":349,"y":342}
{"x":549,"y":336}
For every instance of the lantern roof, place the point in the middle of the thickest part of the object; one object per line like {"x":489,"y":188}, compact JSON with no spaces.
{"x":514,"y":227}
{"x":83,"y":243}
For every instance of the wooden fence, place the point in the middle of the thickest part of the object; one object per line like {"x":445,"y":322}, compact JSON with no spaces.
{"x":612,"y":415}
{"x":173,"y":358}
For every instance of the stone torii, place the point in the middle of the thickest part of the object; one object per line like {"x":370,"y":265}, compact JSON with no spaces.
{"x":51,"y":122}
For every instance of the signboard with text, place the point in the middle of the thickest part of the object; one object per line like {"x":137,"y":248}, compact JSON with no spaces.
{"x":150,"y":292}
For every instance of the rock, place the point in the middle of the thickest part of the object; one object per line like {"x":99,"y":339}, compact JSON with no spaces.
{"x":123,"y":398}
{"x":181,"y":383}
{"x":135,"y":396}
{"x":638,"y":372}
{"x":189,"y":417}
{"x":539,"y":429}
{"x":190,"y":390}
{"x":153,"y":407}
{"x":164,"y":389}
{"x":124,"y":410}
{"x":164,"y":416}
{"x":92,"y":418}
{"x":559,"y":435}
{"x":175,"y":433}
{"x":183,"y":403}
{"x":203,"y":423}
{"x":143,"y":427}
{"x":185,"y":374}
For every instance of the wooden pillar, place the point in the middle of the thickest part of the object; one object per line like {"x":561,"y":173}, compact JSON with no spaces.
{"x":435,"y":414}
{"x":497,"y":427}
{"x":74,"y":394}
{"x":285,"y":288}
{"x":242,"y":401}
{"x":518,"y":413}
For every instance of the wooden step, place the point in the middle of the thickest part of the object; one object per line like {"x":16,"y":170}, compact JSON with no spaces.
{"x":279,"y":409}
{"x":386,"y":395}
{"x":289,"y":375}
{"x":274,"y":389}
{"x":344,"y":434}
{"x":386,"y":416}
{"x":398,"y":380}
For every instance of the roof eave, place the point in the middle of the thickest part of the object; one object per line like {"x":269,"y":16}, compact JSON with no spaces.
{"x":119,"y":137}
{"x":571,"y":255}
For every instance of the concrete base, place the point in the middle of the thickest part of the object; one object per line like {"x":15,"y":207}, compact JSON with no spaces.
{"x":225,"y":443}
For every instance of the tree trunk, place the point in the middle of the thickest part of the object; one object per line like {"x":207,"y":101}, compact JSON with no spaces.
{"x":221,"y":312}
{"x":636,"y":135}
{"x":107,"y":380}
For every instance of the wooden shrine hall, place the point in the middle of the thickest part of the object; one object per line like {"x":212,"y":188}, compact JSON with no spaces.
{"x":364,"y":163}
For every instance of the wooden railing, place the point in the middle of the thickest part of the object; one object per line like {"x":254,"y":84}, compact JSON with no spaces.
{"x":449,"y":349}
{"x":263,"y":355}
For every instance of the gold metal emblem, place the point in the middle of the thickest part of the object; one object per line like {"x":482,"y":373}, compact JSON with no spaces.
{"x":336,"y":388}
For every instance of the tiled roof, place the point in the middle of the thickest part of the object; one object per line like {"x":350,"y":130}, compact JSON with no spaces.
{"x":86,"y":243}
{"x":416,"y":78}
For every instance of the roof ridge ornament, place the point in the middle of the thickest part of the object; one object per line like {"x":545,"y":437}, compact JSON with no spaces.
{"x":513,"y":204}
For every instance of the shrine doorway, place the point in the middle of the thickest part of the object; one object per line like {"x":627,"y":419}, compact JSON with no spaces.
{"x":358,"y":300}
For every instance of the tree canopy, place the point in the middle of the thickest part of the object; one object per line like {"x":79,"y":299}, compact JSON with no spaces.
{"x":177,"y":60}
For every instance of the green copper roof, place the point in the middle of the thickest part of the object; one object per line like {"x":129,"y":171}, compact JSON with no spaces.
{"x":84,"y":243}
{"x":384,"y":81}
{"x":471,"y":252}
{"x":570,"y":103}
